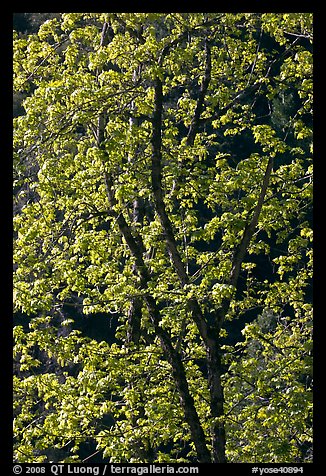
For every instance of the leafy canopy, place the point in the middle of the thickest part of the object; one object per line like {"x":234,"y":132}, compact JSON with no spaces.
{"x":164,"y":170}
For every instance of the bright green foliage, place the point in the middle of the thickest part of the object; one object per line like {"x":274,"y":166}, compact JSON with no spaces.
{"x":269,"y":404}
{"x":70,"y":250}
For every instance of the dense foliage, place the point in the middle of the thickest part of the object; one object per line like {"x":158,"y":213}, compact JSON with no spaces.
{"x":163,"y":187}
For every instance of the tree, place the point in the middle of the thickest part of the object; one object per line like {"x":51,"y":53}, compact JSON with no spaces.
{"x":163,"y":177}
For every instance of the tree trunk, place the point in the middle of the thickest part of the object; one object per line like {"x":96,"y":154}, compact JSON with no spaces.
{"x":216,"y":399}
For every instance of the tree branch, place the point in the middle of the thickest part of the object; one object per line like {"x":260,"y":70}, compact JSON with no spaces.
{"x":200,"y":101}
{"x":241,"y":95}
{"x":250,"y":228}
{"x":180,"y":378}
{"x":241,"y":250}
{"x":156,"y":177}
